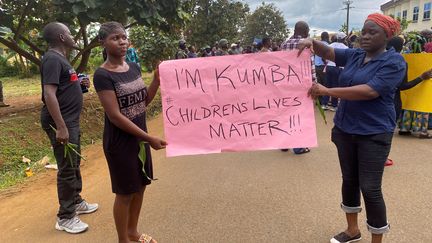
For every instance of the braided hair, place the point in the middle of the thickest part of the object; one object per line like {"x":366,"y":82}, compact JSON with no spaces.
{"x":107,"y":28}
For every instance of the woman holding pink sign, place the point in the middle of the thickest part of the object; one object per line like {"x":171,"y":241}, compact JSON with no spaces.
{"x":126,"y":142}
{"x":365,"y":120}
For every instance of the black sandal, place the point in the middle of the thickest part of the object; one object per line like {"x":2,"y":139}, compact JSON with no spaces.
{"x":301,"y":150}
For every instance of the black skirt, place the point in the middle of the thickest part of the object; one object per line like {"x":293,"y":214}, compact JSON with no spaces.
{"x":121,"y":151}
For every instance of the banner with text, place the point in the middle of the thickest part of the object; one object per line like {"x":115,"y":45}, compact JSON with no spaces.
{"x":418,"y":98}
{"x":237,"y":103}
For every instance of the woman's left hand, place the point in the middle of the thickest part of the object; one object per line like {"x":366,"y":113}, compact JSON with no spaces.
{"x":317,"y":90}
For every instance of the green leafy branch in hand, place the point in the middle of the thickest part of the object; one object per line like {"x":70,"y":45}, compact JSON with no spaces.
{"x":321,"y":110}
{"x":68,"y":148}
{"x":142,"y":155}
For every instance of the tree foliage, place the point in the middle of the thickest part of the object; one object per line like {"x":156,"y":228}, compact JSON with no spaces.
{"x":213,"y":20}
{"x":343,"y":28}
{"x":265,"y":21}
{"x":152,"y":45}
{"x":404,"y":23}
{"x":26,"y":18}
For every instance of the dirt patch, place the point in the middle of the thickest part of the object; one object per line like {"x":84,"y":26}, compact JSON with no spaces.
{"x":20,"y":105}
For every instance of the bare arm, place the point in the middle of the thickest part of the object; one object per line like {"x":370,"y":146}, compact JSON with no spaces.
{"x":411,"y":84}
{"x":358,"y":92}
{"x":320,"y":49}
{"x":51,"y":102}
{"x":110,"y":105}
{"x":152,"y":90}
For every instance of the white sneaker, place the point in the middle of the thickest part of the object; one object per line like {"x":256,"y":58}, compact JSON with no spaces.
{"x":85,"y":207}
{"x":73,"y":225}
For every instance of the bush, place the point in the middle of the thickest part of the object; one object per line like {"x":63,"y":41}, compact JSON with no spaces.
{"x":95,"y":60}
{"x":153,"y":46}
{"x":6,"y":69}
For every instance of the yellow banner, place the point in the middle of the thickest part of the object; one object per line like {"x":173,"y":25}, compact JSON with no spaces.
{"x":418,"y":98}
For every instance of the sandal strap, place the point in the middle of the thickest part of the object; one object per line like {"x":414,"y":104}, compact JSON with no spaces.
{"x":145,"y":238}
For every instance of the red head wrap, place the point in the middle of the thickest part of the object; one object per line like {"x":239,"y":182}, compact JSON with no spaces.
{"x":390,"y":25}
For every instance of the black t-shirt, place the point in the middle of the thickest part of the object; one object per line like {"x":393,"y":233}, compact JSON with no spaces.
{"x":56,"y":70}
{"x":131,"y":94}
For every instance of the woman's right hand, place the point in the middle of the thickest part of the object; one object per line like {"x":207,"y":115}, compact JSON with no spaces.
{"x":157,"y":143}
{"x":303,"y":44}
{"x":317,"y":90}
{"x":426,"y":75}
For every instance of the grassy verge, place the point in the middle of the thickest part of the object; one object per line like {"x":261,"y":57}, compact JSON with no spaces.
{"x":22,"y":135}
{"x":16,"y":87}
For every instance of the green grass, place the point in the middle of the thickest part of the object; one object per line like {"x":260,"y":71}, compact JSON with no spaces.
{"x":22,"y":135}
{"x":16,"y":87}
{"x":16,"y":140}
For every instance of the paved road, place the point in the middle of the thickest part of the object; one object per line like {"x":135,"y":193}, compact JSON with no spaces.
{"x":267,"y":196}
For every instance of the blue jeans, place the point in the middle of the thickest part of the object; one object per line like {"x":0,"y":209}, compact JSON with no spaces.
{"x":362,"y":159}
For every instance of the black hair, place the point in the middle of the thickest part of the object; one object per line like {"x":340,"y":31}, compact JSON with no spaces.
{"x":333,"y":38}
{"x":52,"y":31}
{"x":325,"y":36}
{"x":301,"y":28}
{"x":260,"y":45}
{"x":395,"y":42}
{"x":109,"y":27}
{"x":104,"y":54}
{"x":266,"y":40}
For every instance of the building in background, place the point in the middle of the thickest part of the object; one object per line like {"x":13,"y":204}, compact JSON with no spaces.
{"x":418,"y":12}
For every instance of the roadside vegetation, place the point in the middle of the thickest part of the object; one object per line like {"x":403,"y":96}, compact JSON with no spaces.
{"x":21,"y":133}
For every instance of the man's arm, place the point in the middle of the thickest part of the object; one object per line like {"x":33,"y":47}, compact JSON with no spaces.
{"x":62,"y":134}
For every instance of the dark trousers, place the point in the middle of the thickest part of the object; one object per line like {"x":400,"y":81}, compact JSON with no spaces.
{"x":321,"y":79}
{"x":332,"y":81}
{"x":69,"y":183}
{"x":362,"y":161}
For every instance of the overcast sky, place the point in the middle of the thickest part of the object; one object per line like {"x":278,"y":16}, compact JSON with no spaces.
{"x":323,"y":14}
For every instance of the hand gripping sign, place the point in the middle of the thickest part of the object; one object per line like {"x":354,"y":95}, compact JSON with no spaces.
{"x":238,"y":103}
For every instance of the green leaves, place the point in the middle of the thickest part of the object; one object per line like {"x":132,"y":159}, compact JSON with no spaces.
{"x":153,"y":45}
{"x":90,"y":3}
{"x":211,"y":21}
{"x":266,"y":21}
{"x":321,"y":110}
{"x":142,"y":155}
{"x":69,"y":150}
{"x":78,"y":8}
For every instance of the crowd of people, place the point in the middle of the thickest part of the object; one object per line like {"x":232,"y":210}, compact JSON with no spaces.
{"x":358,"y":80}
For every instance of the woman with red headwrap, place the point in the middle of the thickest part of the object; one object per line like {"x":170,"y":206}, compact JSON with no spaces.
{"x":364,"y":121}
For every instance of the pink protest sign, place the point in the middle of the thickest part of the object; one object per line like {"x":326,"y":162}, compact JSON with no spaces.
{"x":237,"y":103}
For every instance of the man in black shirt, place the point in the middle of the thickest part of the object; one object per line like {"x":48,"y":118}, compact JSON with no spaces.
{"x":63,"y":99}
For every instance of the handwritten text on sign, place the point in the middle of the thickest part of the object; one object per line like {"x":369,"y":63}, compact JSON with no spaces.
{"x":237,"y":103}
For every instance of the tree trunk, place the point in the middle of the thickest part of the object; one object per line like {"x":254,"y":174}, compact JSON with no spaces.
{"x":84,"y":61}
{"x":13,"y":46}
